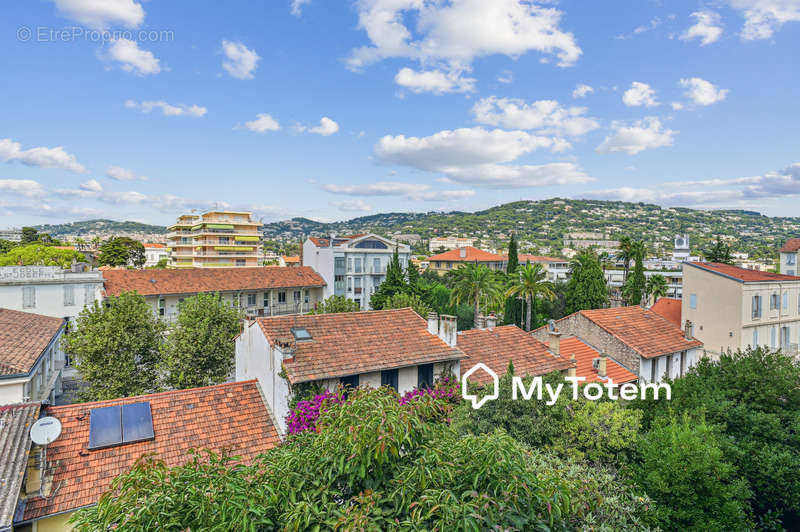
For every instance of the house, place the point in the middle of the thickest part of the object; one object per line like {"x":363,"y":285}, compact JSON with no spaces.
{"x":353,"y":266}
{"x":153,"y":254}
{"x":50,"y":290}
{"x":789,"y":255}
{"x":669,"y":309}
{"x":102,"y":440}
{"x":558,"y":270}
{"x":215,"y":239}
{"x":455,"y":258}
{"x":380,"y":347}
{"x":637,"y":339}
{"x":732,"y":308}
{"x":15,"y":444}
{"x":265,"y":291}
{"x":593,"y":365}
{"x":449,"y":242}
{"x":31,"y":356}
{"x":290,"y":260}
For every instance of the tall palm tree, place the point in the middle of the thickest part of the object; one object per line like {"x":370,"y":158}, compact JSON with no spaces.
{"x":532,"y":282}
{"x":657,"y":287}
{"x":473,"y":283}
{"x":625,"y":254}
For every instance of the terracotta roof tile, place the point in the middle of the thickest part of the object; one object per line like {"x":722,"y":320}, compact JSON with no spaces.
{"x":230,"y":417}
{"x":193,"y":280}
{"x":157,"y":246}
{"x":584,"y":355}
{"x":351,"y":343}
{"x":791,"y":245}
{"x":471,"y":255}
{"x":524,"y":257}
{"x":644,"y":331}
{"x":23,"y":338}
{"x":497,"y":346}
{"x":669,"y":309}
{"x":15,"y":443}
{"x":742,"y":274}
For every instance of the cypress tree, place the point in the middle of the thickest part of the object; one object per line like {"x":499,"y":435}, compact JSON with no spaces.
{"x":514,"y":310}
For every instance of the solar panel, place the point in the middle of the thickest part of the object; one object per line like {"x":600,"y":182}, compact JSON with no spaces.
{"x":105,"y":428}
{"x":137,"y":423}
{"x":301,"y":334}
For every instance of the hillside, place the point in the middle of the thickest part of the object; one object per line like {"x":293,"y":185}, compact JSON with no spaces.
{"x":99,"y":227}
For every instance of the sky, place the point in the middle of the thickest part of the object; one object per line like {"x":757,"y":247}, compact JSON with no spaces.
{"x":146,"y":109}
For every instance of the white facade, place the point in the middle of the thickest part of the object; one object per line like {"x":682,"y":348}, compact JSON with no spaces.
{"x":673,"y":365}
{"x":616,"y":278}
{"x":449,"y":242}
{"x":353,"y":267}
{"x":789,"y":263}
{"x":49,"y":290}
{"x":12,"y":235}
{"x":154,"y":254}
{"x":43,"y":382}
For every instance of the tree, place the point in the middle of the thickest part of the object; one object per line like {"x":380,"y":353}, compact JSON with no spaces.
{"x":656,"y":287}
{"x":513,"y":255}
{"x":117,"y":346}
{"x":512,"y":313}
{"x":38,"y":254}
{"x":403,"y":300}
{"x":200,"y":347}
{"x":394,"y":283}
{"x":473,"y":284}
{"x":121,"y":251}
{"x":413,"y":279}
{"x":29,"y":235}
{"x":6,"y":246}
{"x":633,"y":291}
{"x":625,"y":254}
{"x":336,"y":304}
{"x":586,"y":288}
{"x":721,"y":252}
{"x":531,"y":283}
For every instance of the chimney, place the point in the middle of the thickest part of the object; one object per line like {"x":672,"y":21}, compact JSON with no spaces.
{"x":433,"y":323}
{"x":462,"y":252}
{"x":573,"y":367}
{"x":602,"y":366}
{"x":481,"y":321}
{"x":688,"y":330}
{"x":555,"y":342}
{"x":491,"y":321}
{"x":448,"y":329}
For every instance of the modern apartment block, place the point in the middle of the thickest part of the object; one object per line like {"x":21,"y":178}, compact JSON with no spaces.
{"x":215,"y":239}
{"x":732,"y":308}
{"x":353,"y":266}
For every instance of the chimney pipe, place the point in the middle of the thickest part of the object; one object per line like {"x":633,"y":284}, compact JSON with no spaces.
{"x":462,"y":252}
{"x":688,"y":330}
{"x":448,"y":329}
{"x":491,"y":321}
{"x":481,"y":321}
{"x":555,"y":342}
{"x":573,"y":368}
{"x":433,"y":323}
{"x":602,"y":366}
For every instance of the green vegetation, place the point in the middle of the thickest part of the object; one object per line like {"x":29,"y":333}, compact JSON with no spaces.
{"x":634,"y":289}
{"x":586,"y":288}
{"x":39,"y":254}
{"x":403,"y":300}
{"x":531,"y":284}
{"x":99,"y":226}
{"x":721,"y":252}
{"x":475,"y":285}
{"x":336,"y":304}
{"x":121,"y":251}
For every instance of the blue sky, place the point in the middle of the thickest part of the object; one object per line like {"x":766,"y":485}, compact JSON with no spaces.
{"x":142,"y":110}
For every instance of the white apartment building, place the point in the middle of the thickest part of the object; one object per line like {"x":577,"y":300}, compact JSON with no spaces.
{"x":449,"y":242}
{"x":733,"y":308}
{"x":789,"y":254}
{"x":616,"y":278}
{"x":353,"y":266}
{"x":154,"y":253}
{"x":50,"y":290}
{"x":13,"y":234}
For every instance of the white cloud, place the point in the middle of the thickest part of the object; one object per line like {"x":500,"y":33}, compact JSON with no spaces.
{"x":166,"y":108}
{"x":519,"y":176}
{"x":119,"y":173}
{"x":100,"y":14}
{"x":707,"y":28}
{"x":412,"y":191}
{"x":641,"y":135}
{"x":582,"y":90}
{"x":240,"y":61}
{"x":450,"y":35}
{"x":506,"y":77}
{"x":702,"y":92}
{"x":356,"y":205}
{"x":22,"y":187}
{"x":639,"y":94}
{"x":547,"y":116}
{"x":297,"y":6}
{"x":262,"y":123}
{"x":435,"y":81}
{"x":41,"y":157}
{"x":92,"y":186}
{"x":132,"y":58}
{"x":326,"y":127}
{"x":676,"y":106}
{"x":764,"y":17}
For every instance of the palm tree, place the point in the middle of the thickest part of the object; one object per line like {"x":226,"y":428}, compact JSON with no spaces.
{"x":656,"y":287}
{"x":625,"y":254}
{"x":532,"y":282}
{"x":471,"y":283}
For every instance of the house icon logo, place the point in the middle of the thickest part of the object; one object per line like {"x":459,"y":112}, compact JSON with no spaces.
{"x":476,"y":401}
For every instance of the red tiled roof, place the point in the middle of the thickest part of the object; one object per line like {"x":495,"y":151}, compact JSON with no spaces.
{"x":584,"y":356}
{"x":23,"y":338}
{"x":471,"y":255}
{"x":497,"y":346}
{"x":791,"y":245}
{"x":154,"y":245}
{"x":524,"y":257}
{"x":193,"y":280}
{"x":644,"y":331}
{"x":231,"y":417}
{"x":742,"y":274}
{"x":291,"y":259}
{"x":351,"y":343}
{"x":669,"y":309}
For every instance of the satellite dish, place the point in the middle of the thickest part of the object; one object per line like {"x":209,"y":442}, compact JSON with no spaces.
{"x":45,"y":431}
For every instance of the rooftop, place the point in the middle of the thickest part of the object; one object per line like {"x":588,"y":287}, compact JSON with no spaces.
{"x":524,"y":257}
{"x":792,"y":245}
{"x":742,"y":275}
{"x":230,"y":417}
{"x":496,"y":347}
{"x":669,"y":309}
{"x":193,"y":280}
{"x":470,"y":254}
{"x":351,"y":343}
{"x":23,"y":338}
{"x":584,"y":355}
{"x":15,"y":425}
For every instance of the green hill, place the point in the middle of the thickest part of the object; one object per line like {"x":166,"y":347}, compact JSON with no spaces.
{"x":98,"y":227}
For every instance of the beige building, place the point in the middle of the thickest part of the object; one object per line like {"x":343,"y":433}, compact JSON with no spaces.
{"x":733,"y":308}
{"x":215,"y":239}
{"x":449,"y":242}
{"x":789,"y":254}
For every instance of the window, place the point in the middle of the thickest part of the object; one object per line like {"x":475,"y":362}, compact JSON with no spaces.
{"x":281,"y":297}
{"x":28,"y":297}
{"x":786,"y":301}
{"x":297,"y":296}
{"x":756,"y":307}
{"x":755,"y":337}
{"x":371,"y":244}
{"x":774,"y":302}
{"x":349,"y":284}
{"x":357,"y":264}
{"x":251,"y":300}
{"x":305,"y":296}
{"x":357,"y":285}
{"x":653,"y":364}
{"x":162,"y":306}
{"x":349,"y":264}
{"x":266,"y":299}
{"x":773,"y":340}
{"x":376,"y":265}
{"x":350,"y":381}
{"x":241,"y":262}
{"x":789,"y":272}
{"x":693,"y":301}
{"x":791,"y":259}
{"x":785,"y":339}
{"x":389,"y":378}
{"x":425,"y":376}
{"x":69,"y":295}
{"x":88,"y":294}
